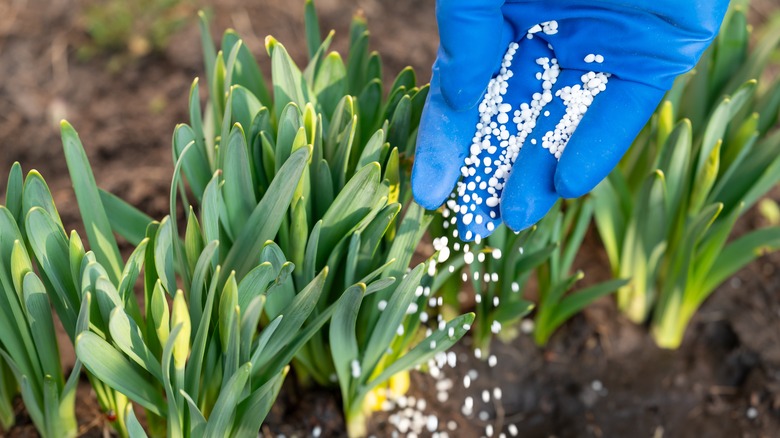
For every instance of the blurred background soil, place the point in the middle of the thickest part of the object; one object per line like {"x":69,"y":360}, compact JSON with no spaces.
{"x":600,"y":376}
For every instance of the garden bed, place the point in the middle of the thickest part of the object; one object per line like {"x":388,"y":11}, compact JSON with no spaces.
{"x":599,"y":376}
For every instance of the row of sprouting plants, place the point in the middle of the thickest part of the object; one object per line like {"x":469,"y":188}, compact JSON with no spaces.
{"x":291,"y":238}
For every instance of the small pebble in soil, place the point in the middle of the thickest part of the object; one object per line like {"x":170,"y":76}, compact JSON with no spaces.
{"x":752,"y":413}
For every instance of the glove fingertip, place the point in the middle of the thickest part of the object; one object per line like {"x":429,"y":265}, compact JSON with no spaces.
{"x":569,"y":187}
{"x":427,"y":195}
{"x":427,"y":187}
{"x":524,"y":215}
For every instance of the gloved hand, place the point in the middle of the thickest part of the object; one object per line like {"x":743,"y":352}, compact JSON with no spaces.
{"x":643,"y":45}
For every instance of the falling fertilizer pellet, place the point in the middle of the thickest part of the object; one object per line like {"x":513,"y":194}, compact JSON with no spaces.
{"x":355,"y":365}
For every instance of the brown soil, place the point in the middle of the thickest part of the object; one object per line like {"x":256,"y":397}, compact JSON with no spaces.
{"x":730,"y":361}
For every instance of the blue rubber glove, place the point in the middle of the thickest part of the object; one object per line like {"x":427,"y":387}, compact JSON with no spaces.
{"x":645,"y":45}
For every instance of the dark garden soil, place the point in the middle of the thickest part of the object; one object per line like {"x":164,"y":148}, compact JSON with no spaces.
{"x":599,"y":376}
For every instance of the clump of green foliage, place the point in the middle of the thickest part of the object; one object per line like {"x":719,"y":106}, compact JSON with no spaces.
{"x":134,"y":28}
{"x":710,"y":153}
{"x":41,"y":268}
{"x":199,"y":366}
{"x":564,"y":231}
